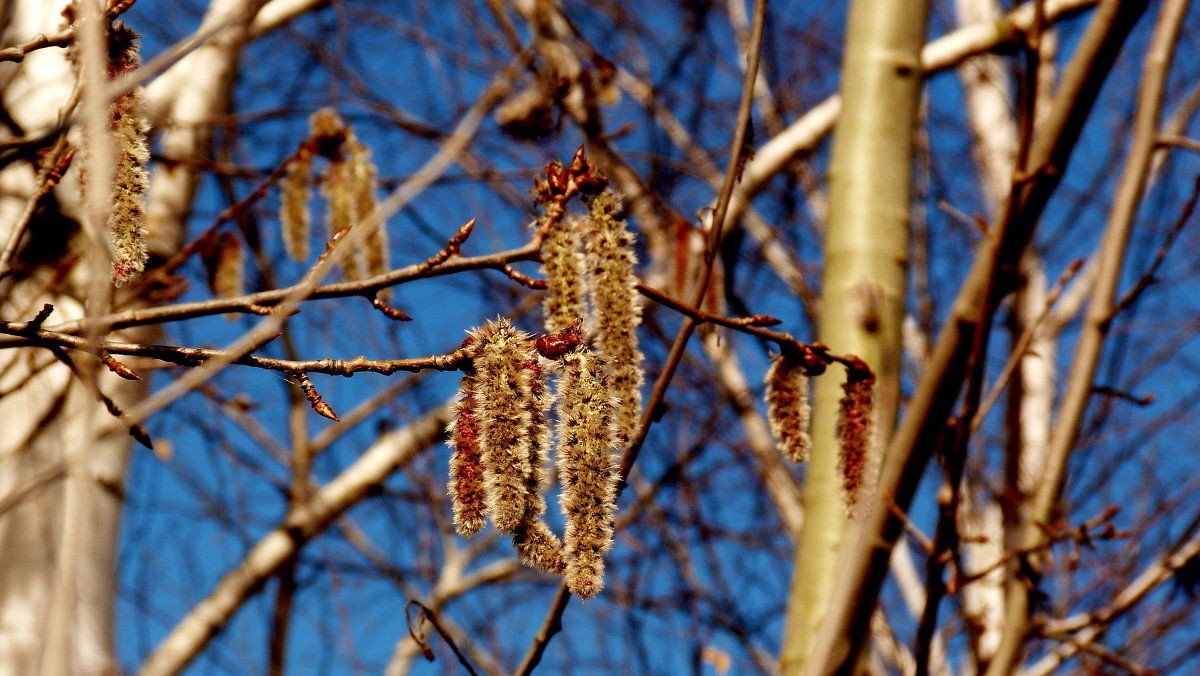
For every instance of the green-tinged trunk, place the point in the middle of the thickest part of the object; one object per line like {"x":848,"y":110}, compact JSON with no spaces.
{"x":864,"y":283}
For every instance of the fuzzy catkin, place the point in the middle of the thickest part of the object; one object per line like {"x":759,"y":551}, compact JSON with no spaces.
{"x":616,"y":307}
{"x":503,"y":391}
{"x":539,"y":547}
{"x":537,"y":405}
{"x":562,"y":263}
{"x":228,"y":275}
{"x":127,"y":222}
{"x":294,"y":216}
{"x":587,"y":469}
{"x":363,"y":183}
{"x":855,"y":431}
{"x":466,"y":464}
{"x":338,"y":189}
{"x":788,"y":409}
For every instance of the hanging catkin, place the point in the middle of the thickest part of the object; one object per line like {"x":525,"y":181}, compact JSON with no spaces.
{"x":504,"y":388}
{"x":616,"y":307}
{"x":788,"y":409}
{"x":587,"y":469}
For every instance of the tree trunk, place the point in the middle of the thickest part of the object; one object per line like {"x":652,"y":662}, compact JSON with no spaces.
{"x":61,"y":478}
{"x":864,"y":284}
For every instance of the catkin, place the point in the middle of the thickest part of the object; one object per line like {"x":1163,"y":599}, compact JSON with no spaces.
{"x":349,"y":184}
{"x":562,"y":263}
{"x":788,"y":409}
{"x":362,"y":173}
{"x":294,"y":216}
{"x":539,"y":547}
{"x":338,"y":189}
{"x":537,"y":405}
{"x":616,"y":307}
{"x":466,"y":463}
{"x":228,"y":274}
{"x":855,"y":432}
{"x":503,"y":390}
{"x":127,"y":221}
{"x":587,"y":469}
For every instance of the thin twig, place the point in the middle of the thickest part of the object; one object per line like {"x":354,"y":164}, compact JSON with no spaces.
{"x":432,"y":617}
{"x":1023,"y":342}
{"x":252,"y":303}
{"x":1147,"y":278}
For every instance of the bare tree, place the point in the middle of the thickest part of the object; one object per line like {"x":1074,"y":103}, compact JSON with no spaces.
{"x":632,"y":215}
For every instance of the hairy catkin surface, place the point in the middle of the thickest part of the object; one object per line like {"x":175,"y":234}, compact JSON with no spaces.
{"x":466,"y":464}
{"x":538,"y":405}
{"x":504,"y":388}
{"x":855,"y":431}
{"x":539,"y":547}
{"x":563,"y":264}
{"x":587,"y":469}
{"x":616,"y":307}
{"x":131,"y":180}
{"x":788,"y":409}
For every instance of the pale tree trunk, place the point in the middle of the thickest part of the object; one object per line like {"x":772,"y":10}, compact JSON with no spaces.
{"x":864,"y":284}
{"x":989,"y":105}
{"x":58,"y":581}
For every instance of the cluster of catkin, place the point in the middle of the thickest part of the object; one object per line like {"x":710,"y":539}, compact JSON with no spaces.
{"x":789,"y":413}
{"x":501,"y":438}
{"x":348,"y":183}
{"x":589,"y":265}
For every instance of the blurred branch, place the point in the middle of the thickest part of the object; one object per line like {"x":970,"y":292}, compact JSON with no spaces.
{"x":282,"y":544}
{"x":870,"y":541}
{"x":1097,"y":322}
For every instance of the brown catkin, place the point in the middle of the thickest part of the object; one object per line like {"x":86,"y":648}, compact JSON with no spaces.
{"x":504,"y":389}
{"x":616,"y":307}
{"x":127,"y":221}
{"x":337,"y":187}
{"x":364,"y":182}
{"x":294,"y":215}
{"x":855,"y":430}
{"x":587,"y":469}
{"x":228,"y":274}
{"x":349,"y":184}
{"x":537,"y":405}
{"x":466,"y":463}
{"x":562,"y":263}
{"x":539,"y":547}
{"x":788,"y":409}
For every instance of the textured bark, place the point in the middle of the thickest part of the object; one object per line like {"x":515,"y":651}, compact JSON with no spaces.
{"x":864,"y":284}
